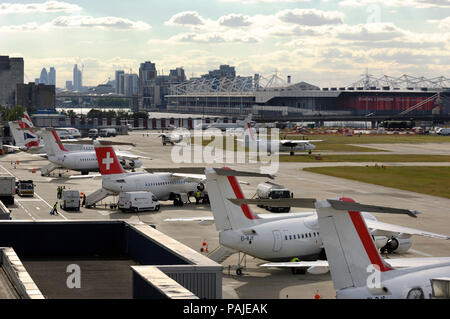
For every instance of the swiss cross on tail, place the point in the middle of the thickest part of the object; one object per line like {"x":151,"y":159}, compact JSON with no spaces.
{"x":107,"y":161}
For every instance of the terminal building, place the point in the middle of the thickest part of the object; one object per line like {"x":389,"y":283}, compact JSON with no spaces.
{"x":274,"y":97}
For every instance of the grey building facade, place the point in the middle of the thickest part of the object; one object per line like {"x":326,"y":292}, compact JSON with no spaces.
{"x":11,"y":74}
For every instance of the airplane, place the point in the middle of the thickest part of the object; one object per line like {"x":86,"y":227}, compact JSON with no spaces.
{"x":224,"y":126}
{"x":282,"y":237}
{"x":165,"y":186}
{"x":83,"y":160}
{"x":273,"y":146}
{"x":357,"y":268}
{"x":64,"y":132}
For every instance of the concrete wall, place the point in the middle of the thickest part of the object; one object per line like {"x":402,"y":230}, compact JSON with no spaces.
{"x":18,"y":275}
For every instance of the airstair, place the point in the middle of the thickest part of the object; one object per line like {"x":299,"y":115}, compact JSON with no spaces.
{"x":220,"y":254}
{"x":46,"y":170}
{"x":97,"y":196}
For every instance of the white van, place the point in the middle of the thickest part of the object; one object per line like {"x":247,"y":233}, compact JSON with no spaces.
{"x":138,"y":201}
{"x":70,"y":199}
{"x":443,"y":131}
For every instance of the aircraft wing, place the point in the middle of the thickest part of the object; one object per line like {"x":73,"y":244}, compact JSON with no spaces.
{"x":85,"y":176}
{"x":401,"y":229}
{"x":394,"y":262}
{"x":130,"y":156}
{"x":204,"y":221}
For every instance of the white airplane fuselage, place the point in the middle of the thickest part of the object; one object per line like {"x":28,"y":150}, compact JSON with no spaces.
{"x":86,"y":161}
{"x":162,"y":185}
{"x":275,"y":241}
{"x":400,"y":283}
{"x":283,"y":239}
{"x":272,"y":146}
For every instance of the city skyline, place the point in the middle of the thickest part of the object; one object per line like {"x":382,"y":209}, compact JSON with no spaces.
{"x":325,"y":43}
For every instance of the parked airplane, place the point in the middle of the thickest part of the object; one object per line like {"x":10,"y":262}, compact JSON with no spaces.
{"x":65,"y":132}
{"x":281,"y":237}
{"x":355,"y":262}
{"x":165,"y":186}
{"x":224,"y":126}
{"x":84,"y":161}
{"x":274,"y":146}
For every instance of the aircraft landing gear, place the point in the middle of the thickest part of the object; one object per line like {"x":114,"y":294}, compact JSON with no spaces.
{"x":177,"y":201}
{"x":242,"y":263}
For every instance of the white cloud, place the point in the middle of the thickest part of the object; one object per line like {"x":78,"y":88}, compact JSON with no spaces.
{"x":397,"y":3}
{"x":265,"y":1}
{"x":234,"y":20}
{"x":115,"y":23}
{"x":103,"y":23}
{"x":310,"y":17}
{"x":48,"y":7}
{"x":190,"y":18}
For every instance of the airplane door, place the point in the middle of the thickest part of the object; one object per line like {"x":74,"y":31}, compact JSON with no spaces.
{"x":277,"y":241}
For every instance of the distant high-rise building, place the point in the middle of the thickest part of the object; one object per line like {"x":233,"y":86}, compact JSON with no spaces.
{"x":177,"y":75}
{"x":40,"y":96}
{"x":43,"y":79}
{"x":148,"y":91}
{"x":119,"y":82}
{"x":131,"y":84}
{"x":52,"y":76}
{"x":77,"y":79}
{"x":69,"y":85}
{"x":11,"y":74}
{"x":224,"y":71}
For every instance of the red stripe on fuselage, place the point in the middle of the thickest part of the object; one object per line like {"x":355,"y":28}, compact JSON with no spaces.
{"x":366,"y":239}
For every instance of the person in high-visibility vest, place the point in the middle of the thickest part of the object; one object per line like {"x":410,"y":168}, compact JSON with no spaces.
{"x":197,"y":197}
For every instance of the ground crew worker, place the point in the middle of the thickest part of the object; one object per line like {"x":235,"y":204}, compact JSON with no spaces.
{"x":54,"y":211}
{"x":84,"y":200}
{"x":197,"y":197}
{"x":59,"y":192}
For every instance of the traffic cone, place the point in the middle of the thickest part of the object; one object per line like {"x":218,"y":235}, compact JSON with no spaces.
{"x":204,"y":247}
{"x":317,"y":296}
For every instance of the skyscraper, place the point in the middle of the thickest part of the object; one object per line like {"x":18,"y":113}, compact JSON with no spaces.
{"x":147,"y":86}
{"x":52,"y":76}
{"x":77,"y":79}
{"x":119,"y":82}
{"x":131,"y":84}
{"x":43,"y":79}
{"x":11,"y":73}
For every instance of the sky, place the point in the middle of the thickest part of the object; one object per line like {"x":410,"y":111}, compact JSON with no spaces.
{"x":322,"y":42}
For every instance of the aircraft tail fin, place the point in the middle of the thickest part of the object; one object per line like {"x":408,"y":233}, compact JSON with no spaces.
{"x":349,"y":246}
{"x":17,"y":134}
{"x":53,"y":144}
{"x":108,"y":162}
{"x":226,"y":214}
{"x":27,"y":120}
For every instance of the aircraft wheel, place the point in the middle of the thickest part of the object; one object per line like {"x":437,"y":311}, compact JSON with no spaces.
{"x":292,"y":153}
{"x":157,"y":208}
{"x":239,"y":271}
{"x":310,"y":152}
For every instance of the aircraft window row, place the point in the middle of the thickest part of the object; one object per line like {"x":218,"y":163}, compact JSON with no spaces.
{"x":88,"y":159}
{"x":164,"y":183}
{"x":302,"y":236}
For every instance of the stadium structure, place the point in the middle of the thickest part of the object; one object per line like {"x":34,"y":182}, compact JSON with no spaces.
{"x":273,"y":97}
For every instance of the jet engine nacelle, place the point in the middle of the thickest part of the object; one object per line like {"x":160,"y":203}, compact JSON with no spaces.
{"x":130,"y":164}
{"x":398,"y":245}
{"x":201,"y":187}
